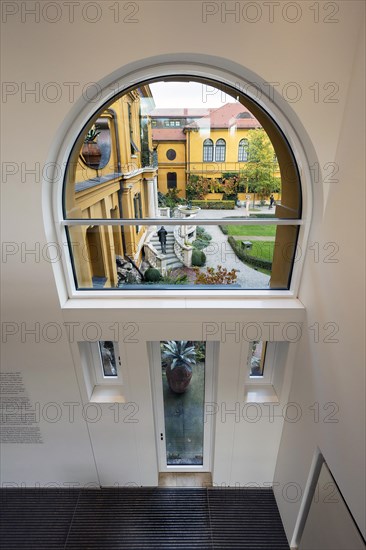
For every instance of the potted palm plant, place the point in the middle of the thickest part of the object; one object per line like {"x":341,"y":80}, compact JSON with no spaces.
{"x":179,"y":357}
{"x":91,"y":151}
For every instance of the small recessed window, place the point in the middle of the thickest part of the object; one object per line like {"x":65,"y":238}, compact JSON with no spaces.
{"x":171,"y":154}
{"x":256,"y":359}
{"x":106,"y":362}
{"x":108,"y":358}
{"x":260,"y":363}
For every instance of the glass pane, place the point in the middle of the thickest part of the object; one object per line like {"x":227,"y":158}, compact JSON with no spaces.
{"x":256,"y":360}
{"x":108,"y":358}
{"x":183,"y":378}
{"x":223,"y":148}
{"x":183,"y":257}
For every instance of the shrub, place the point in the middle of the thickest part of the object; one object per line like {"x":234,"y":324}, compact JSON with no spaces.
{"x":221,"y":276}
{"x":152,"y":275}
{"x":174,"y":279}
{"x":214,"y":205}
{"x":198,"y":258}
{"x":247,"y":258}
{"x":197,"y":187}
{"x":203,"y":238}
{"x":200,"y":244}
{"x":200,"y":231}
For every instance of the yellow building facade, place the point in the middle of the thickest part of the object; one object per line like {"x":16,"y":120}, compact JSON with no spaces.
{"x":208,"y":146}
{"x":118,"y":182}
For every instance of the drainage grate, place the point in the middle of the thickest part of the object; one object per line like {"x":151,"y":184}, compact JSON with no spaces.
{"x":148,"y":518}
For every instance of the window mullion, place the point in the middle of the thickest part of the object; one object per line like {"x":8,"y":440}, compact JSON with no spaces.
{"x":180,"y":221}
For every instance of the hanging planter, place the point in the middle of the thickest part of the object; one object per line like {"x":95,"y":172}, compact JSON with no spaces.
{"x":91,"y":152}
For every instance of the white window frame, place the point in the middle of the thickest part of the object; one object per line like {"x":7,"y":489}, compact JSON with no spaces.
{"x":188,"y":65}
{"x":100,"y":378}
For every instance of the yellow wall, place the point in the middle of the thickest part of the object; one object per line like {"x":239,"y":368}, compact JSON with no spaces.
{"x":214,"y":169}
{"x":177,"y":165}
{"x":191,"y":152}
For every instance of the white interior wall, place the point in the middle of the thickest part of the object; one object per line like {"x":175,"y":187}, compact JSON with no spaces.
{"x":81,"y":52}
{"x":328,"y":372}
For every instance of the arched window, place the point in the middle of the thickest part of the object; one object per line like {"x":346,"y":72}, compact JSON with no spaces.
{"x":220,"y":150}
{"x":243,"y":150}
{"x":110,"y":214}
{"x":208,"y":148}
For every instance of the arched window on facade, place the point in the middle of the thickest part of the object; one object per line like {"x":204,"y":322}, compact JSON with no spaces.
{"x":208,"y":148}
{"x":220,"y":150}
{"x":243,"y":150}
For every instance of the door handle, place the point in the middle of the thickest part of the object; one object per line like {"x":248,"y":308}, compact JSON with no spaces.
{"x":161,"y":437}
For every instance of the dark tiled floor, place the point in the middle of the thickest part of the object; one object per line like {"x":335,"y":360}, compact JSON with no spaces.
{"x":140,"y":518}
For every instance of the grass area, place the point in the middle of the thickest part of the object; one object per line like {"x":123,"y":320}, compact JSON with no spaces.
{"x":252,"y":230}
{"x":262,"y":249}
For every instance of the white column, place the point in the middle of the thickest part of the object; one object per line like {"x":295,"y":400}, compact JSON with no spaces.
{"x":151,"y":197}
{"x":156,"y":195}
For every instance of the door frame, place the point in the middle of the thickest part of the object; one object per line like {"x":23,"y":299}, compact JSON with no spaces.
{"x":158,"y":406}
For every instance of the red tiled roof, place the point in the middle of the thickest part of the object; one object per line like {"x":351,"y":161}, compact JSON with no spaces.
{"x":184,"y":112}
{"x":226,"y":117}
{"x":168,"y":134}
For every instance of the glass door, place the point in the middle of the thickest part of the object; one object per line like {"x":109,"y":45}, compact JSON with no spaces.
{"x":183,"y":377}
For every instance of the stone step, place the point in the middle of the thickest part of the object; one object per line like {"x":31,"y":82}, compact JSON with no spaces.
{"x":156,"y":240}
{"x":171,"y":260}
{"x":176,"y":265}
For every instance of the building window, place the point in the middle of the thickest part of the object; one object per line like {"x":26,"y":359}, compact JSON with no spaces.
{"x":220,"y":150}
{"x":243,"y":150}
{"x":172,"y":180}
{"x":171,"y":154}
{"x":133,"y":147}
{"x":208,"y":150}
{"x":106,"y":362}
{"x":261,"y":361}
{"x":137,"y":206}
{"x":256,"y":359}
{"x":103,"y":371}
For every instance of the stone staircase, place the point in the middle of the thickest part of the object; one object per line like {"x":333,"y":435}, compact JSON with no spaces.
{"x":172,"y":262}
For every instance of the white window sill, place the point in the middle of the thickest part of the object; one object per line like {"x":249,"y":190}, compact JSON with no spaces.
{"x":107,"y":394}
{"x":260,"y":393}
{"x":169,"y":300}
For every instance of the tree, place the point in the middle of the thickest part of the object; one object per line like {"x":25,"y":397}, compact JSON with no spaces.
{"x":258,"y":171}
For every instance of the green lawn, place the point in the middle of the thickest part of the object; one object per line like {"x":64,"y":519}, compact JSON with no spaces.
{"x":254,"y":230}
{"x":262,"y":249}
